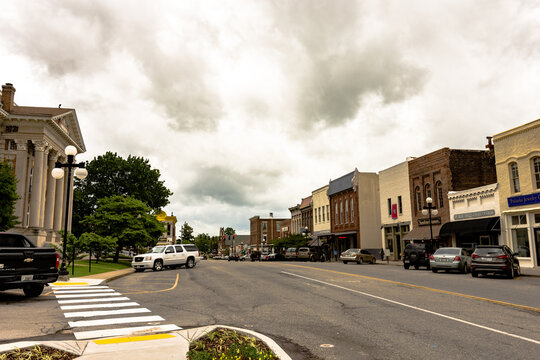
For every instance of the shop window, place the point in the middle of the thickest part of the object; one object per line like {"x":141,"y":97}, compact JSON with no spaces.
{"x":438,"y":189}
{"x":323,"y":218}
{"x":352,"y":210}
{"x":341,"y":212}
{"x":536,"y":170}
{"x":537,"y":218}
{"x":336,"y":214}
{"x":519,"y":220}
{"x":418,"y":199}
{"x":427,"y":190}
{"x":514,"y":177}
{"x":520,"y":238}
{"x":346,"y":211}
{"x":319,"y":214}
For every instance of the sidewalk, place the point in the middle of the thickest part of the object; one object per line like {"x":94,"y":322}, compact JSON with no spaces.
{"x":143,"y":345}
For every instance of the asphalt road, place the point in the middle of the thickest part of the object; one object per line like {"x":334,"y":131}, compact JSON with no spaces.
{"x":326,"y":310}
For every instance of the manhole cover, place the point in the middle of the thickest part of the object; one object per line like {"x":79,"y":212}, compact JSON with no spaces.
{"x":327,"y":346}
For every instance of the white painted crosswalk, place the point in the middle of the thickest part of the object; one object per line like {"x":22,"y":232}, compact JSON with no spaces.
{"x":98,"y":310}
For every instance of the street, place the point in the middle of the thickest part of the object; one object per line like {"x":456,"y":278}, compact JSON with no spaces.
{"x":327,"y":310}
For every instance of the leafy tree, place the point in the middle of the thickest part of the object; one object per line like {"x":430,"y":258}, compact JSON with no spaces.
{"x":206,"y":243}
{"x":294,"y":240}
{"x":186,"y":234}
{"x":229,"y":231}
{"x":72,"y":240}
{"x":110,"y":175}
{"x":127,"y":220}
{"x":97,"y":244}
{"x":8,"y":197}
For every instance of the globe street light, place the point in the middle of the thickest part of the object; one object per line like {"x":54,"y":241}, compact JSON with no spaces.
{"x":430,"y":210}
{"x":58,"y":173}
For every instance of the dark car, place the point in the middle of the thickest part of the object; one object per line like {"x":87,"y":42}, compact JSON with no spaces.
{"x":495,"y":259}
{"x":233,"y":257}
{"x":417,"y":254}
{"x":273,"y":257}
{"x":255,"y":255}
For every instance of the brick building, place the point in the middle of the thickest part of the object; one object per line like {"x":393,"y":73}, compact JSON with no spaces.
{"x":434,"y":175}
{"x":264,"y":230}
{"x":296,"y":219}
{"x":306,"y":210}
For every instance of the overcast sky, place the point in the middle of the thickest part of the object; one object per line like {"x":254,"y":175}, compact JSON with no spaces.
{"x":247,"y":106}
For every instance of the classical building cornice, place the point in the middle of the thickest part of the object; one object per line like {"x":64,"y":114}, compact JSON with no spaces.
{"x":478,"y":191}
{"x":517,"y":130}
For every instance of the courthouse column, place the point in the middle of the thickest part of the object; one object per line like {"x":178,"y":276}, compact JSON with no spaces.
{"x":37,"y":177}
{"x":59,"y":203}
{"x":46,"y":175}
{"x":48,"y":221}
{"x":21,"y":163}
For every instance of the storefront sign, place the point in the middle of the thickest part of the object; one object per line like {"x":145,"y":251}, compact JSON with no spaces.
{"x":475,"y":214}
{"x":524,"y":200}
{"x":434,"y":221}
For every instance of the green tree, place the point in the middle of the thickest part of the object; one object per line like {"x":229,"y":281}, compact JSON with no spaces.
{"x":206,"y":243}
{"x":229,"y":231}
{"x":8,"y":197}
{"x":186,"y":234}
{"x":295,"y":240}
{"x":72,"y":240}
{"x":127,"y":220}
{"x":97,"y":244}
{"x":110,"y":175}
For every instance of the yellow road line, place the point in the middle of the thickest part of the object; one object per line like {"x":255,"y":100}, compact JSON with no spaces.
{"x":132,"y":339}
{"x":156,"y":291}
{"x":524,"y":307}
{"x":68,"y":283}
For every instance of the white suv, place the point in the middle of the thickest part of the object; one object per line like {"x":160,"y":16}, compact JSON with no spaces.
{"x":167,"y":255}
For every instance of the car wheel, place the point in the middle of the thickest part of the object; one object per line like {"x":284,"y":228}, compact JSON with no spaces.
{"x":511,"y":274}
{"x":416,"y":266}
{"x":474,"y":273}
{"x":345,"y":262}
{"x":434,"y":270}
{"x":323,"y":259}
{"x":465,"y":269}
{"x":139,"y":270}
{"x":373,"y":260}
{"x":360,"y":260}
{"x":33,"y":290}
{"x":190,"y":263}
{"x":158,"y":265}
{"x":518,"y":271}
{"x":406,"y":266}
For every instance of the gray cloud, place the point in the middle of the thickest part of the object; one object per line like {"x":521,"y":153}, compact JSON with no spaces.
{"x":227,"y":186}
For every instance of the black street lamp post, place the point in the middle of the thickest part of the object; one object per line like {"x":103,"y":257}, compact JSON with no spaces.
{"x":430,"y":210}
{"x":58,"y":173}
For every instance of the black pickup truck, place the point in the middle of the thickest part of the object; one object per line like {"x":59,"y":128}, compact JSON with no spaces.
{"x":26,"y":266}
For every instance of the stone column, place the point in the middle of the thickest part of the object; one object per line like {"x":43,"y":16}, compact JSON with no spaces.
{"x":37,"y":183}
{"x":46,"y":176}
{"x":59,"y":203}
{"x":48,"y":221}
{"x":21,"y":164}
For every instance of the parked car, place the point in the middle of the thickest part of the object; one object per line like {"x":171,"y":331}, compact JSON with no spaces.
{"x":233,"y":257}
{"x":303,"y":254}
{"x":162,"y":256}
{"x":317,"y":254}
{"x":291,"y":253}
{"x":357,"y":255}
{"x":273,"y":257}
{"x":496,"y":259}
{"x":417,"y":254}
{"x":26,"y":266}
{"x":255,"y":255}
{"x":450,"y":258}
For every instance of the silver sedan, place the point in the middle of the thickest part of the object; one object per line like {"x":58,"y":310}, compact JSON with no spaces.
{"x":450,"y":258}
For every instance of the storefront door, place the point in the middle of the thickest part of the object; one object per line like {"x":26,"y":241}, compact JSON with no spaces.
{"x":537,"y":240}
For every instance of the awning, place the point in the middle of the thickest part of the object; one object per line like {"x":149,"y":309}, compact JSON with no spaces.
{"x":485,"y":225}
{"x":316,"y":242}
{"x":422,"y":233}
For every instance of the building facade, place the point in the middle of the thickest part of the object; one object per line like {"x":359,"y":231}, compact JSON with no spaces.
{"x":296,"y":219}
{"x":169,"y":223}
{"x":434,"y":175}
{"x":474,"y":217}
{"x":517,"y":154}
{"x":264,"y":230}
{"x":306,"y":210}
{"x":321,"y":216}
{"x":395,"y":205}
{"x":32,"y":139}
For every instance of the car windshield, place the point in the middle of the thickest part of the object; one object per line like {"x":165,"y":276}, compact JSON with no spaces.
{"x":157,"y":250}
{"x":352,"y":251}
{"x":448,"y":251}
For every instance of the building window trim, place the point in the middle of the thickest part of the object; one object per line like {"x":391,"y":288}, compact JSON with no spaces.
{"x":535,"y":162}
{"x":514,"y":177}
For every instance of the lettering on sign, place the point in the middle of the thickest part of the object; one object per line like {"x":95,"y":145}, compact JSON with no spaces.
{"x":524,"y":200}
{"x":474,"y":214}
{"x":434,"y":221}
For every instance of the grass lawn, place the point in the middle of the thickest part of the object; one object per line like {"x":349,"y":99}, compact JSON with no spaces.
{"x":81,"y":267}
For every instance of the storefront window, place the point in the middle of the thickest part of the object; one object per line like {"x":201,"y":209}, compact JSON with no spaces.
{"x":520,"y":239}
{"x":519,"y":220}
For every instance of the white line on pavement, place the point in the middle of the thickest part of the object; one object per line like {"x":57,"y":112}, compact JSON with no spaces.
{"x":60,"y":292}
{"x":98,"y":306}
{"x":79,"y":301}
{"x":115,"y":321}
{"x":140,"y":330}
{"x":105,"y":312}
{"x":78,"y":287}
{"x":86,"y":295}
{"x":417,"y":308}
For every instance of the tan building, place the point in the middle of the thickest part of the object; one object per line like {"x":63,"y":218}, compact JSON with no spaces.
{"x":395,"y":206}
{"x":32,"y":139}
{"x":169,"y":222}
{"x":517,"y":158}
{"x":321,"y":215}
{"x":296,"y":219}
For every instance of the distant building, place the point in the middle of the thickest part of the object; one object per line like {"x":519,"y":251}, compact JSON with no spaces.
{"x":321,"y":216}
{"x":296,"y":219}
{"x":306,"y":210}
{"x":169,"y":222}
{"x":32,"y":139}
{"x":264,"y":230}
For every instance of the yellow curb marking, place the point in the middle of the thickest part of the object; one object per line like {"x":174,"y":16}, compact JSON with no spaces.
{"x":524,"y":307}
{"x":133,"y":338}
{"x":155,"y":291}
{"x":69,"y":283}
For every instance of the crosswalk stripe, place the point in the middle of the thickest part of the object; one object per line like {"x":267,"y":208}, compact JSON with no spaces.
{"x":83,"y":335}
{"x":105,"y":312}
{"x":85,"y":295}
{"x":98,"y":306}
{"x":83,"y":291}
{"x":79,"y":301}
{"x":83,"y":323}
{"x":78,"y":287}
